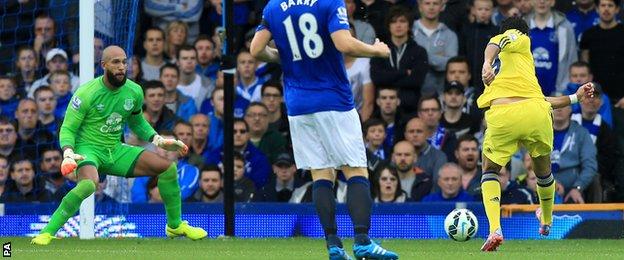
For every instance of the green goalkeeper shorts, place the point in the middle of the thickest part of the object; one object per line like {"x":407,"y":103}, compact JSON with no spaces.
{"x":119,"y":160}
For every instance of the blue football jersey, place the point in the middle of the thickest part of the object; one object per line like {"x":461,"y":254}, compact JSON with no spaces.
{"x":315,"y":78}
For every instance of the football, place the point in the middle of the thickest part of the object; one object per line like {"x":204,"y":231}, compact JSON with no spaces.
{"x":461,"y":225}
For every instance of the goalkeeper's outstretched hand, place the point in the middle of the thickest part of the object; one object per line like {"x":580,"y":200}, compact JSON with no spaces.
{"x":69,"y":161}
{"x":585,"y":91}
{"x":170,"y":144}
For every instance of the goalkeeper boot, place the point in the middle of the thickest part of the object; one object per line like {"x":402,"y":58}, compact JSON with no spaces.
{"x":373,"y":251}
{"x":493,"y":241}
{"x":544,"y":229}
{"x":337,"y":253}
{"x":194,"y":233}
{"x":42,"y":239}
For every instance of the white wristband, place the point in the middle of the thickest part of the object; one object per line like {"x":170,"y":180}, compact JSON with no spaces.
{"x":573,"y":99}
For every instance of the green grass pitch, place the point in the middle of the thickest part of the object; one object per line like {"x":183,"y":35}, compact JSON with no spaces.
{"x":304,"y":248}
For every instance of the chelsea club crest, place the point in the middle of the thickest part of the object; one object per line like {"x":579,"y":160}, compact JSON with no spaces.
{"x":129,"y":104}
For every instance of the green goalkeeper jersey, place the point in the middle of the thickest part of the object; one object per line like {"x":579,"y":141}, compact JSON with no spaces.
{"x":96,"y":115}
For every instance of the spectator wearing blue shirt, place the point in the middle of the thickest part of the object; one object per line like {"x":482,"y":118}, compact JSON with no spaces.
{"x":207,"y":61}
{"x":257,"y":167}
{"x":208,"y":105}
{"x":182,"y":105}
{"x":583,"y":17}
{"x":46,"y":104}
{"x":450,"y":184}
{"x":249,"y":86}
{"x":580,"y":73}
{"x":8,"y":99}
{"x":188,"y":176}
{"x":573,"y":159}
{"x":553,"y":45}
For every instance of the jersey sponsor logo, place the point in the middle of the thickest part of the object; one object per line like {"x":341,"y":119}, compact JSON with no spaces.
{"x":113,"y":123}
{"x":128,"y":104}
{"x":342,"y":15}
{"x":99,"y":107}
{"x":542,"y":58}
{"x":75,"y":103}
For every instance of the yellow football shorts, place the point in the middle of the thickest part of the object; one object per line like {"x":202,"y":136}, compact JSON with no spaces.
{"x":526,"y":123}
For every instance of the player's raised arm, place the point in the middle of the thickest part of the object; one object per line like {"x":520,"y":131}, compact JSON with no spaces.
{"x":487,"y":72}
{"x":584,"y":91}
{"x":351,"y":46}
{"x":74,"y":115}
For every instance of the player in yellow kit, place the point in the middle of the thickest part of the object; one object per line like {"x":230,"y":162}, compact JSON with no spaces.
{"x":517,"y":114}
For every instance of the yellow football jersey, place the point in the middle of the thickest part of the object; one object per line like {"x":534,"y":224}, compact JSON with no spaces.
{"x":516,"y":71}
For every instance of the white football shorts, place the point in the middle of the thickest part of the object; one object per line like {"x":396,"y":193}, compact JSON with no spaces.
{"x":328,"y":139}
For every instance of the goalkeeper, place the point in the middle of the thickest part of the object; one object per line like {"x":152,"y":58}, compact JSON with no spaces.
{"x":90,"y":139}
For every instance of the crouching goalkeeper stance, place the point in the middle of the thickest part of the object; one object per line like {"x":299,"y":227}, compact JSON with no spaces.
{"x":90,"y":139}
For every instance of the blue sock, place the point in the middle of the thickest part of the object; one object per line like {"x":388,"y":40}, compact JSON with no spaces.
{"x":359,"y":203}
{"x":325,"y":202}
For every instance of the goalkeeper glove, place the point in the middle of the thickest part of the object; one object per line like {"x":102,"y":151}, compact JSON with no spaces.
{"x":170,"y":144}
{"x":69,"y":161}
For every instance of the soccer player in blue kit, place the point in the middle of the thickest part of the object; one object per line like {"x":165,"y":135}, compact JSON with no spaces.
{"x":310,"y":36}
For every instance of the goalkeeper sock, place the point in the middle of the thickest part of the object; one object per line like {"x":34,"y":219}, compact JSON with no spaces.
{"x":359,"y":203}
{"x":170,"y":192}
{"x":323,"y":197}
{"x":69,"y":205}
{"x":546,"y":194}
{"x":491,"y":190}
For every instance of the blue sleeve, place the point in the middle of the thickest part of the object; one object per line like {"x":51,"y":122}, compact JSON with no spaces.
{"x":139,"y":190}
{"x":338,"y":19}
{"x":264,"y":23}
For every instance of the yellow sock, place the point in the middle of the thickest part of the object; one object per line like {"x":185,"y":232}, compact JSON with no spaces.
{"x":491,"y":191}
{"x":546,"y":195}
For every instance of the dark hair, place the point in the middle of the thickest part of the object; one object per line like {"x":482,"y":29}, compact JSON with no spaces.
{"x":153,"y":28}
{"x":169,"y":66}
{"x":581,"y":64}
{"x":272,"y":84}
{"x":139,"y":76}
{"x":186,"y":47}
{"x":152,"y":84}
{"x":458,"y":59}
{"x":4,"y":120}
{"x":397,"y":11}
{"x":466,"y":138}
{"x":204,"y":37}
{"x":41,"y":89}
{"x":373,"y":121}
{"x":22,"y":48}
{"x":616,"y":2}
{"x":211,"y":168}
{"x":384,"y":87}
{"x":429,"y":97}
{"x":166,"y":132}
{"x":256,"y":104}
{"x":20,"y":159}
{"x":238,"y":156}
{"x":393,"y":171}
{"x":11,"y":79}
{"x":240,"y":120}
{"x":514,"y":23}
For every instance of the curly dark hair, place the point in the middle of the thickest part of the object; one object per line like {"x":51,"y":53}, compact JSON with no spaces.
{"x":514,"y":23}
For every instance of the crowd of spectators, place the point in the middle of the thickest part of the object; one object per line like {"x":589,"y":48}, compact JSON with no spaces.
{"x":422,"y":128}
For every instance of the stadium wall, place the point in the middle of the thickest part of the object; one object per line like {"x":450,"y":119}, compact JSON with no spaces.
{"x":258,"y":220}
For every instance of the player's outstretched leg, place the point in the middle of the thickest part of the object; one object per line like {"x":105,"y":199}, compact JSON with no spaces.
{"x":150,"y":164}
{"x":491,"y":191}
{"x":359,"y":203}
{"x":69,"y":205}
{"x":325,"y":203}
{"x":546,"y":192}
{"x":170,"y":192}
